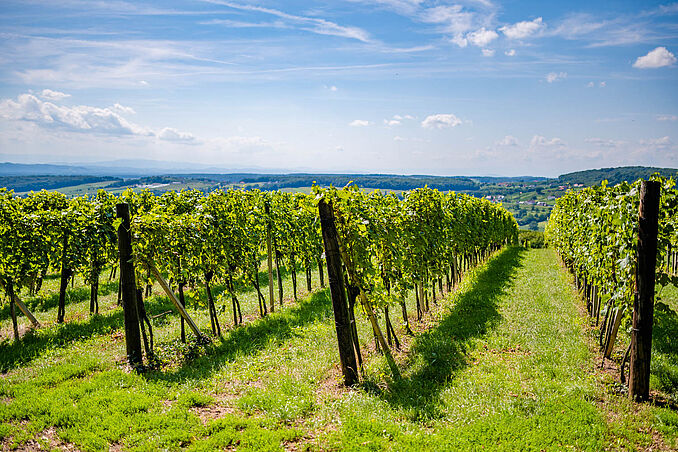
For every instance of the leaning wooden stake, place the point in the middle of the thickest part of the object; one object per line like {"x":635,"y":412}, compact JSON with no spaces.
{"x":342,"y":323}
{"x":26,"y":311}
{"x":22,"y":307}
{"x":129,"y":289}
{"x":614,"y":324}
{"x":177,"y":304}
{"x":643,"y":305}
{"x":370,"y":313}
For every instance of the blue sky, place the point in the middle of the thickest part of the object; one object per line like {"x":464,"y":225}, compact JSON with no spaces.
{"x":474,"y":87}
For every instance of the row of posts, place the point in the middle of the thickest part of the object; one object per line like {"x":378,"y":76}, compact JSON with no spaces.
{"x":643,"y":309}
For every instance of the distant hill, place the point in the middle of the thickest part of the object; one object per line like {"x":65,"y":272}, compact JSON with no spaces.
{"x":36,"y":183}
{"x":615,"y":175}
{"x":24,"y":169}
{"x":382,"y":181}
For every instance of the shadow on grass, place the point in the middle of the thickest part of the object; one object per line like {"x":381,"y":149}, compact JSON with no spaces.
{"x":251,"y":337}
{"x":437,"y":355}
{"x":36,"y":342}
{"x":46,"y":301}
{"x":665,"y":348}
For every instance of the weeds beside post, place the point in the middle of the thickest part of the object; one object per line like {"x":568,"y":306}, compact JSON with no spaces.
{"x":342,"y":323}
{"x":128,"y":288}
{"x":643,"y":305}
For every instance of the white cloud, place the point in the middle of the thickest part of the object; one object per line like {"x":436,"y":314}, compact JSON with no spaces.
{"x":555,"y":76}
{"x":240,"y":144}
{"x":460,"y":40}
{"x":440,"y":121}
{"x":511,"y":52}
{"x":404,"y":7}
{"x":170,"y":134}
{"x":659,"y":57}
{"x":508,"y":140}
{"x":524,"y":29}
{"x":397,"y":120}
{"x":453,"y":19}
{"x":539,"y":141}
{"x":124,"y":110}
{"x":667,"y":118}
{"x":333,"y":88}
{"x":660,"y":143}
{"x":84,"y":119}
{"x":488,"y":52}
{"x":482,"y":37}
{"x":622,"y":30}
{"x":359,"y":123}
{"x":48,"y":94}
{"x":610,"y":144}
{"x":79,"y":118}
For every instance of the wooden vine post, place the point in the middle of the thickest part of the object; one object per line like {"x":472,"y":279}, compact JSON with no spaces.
{"x":643,"y":305}
{"x":269,"y":252}
{"x":349,"y":367}
{"x":128,"y":288}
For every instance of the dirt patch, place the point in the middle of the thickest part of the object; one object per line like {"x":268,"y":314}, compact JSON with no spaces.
{"x":212,"y":411}
{"x":8,"y":332}
{"x":45,"y":440}
{"x":332,"y":386}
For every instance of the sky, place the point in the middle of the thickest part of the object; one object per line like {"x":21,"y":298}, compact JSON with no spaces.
{"x":467,"y":87}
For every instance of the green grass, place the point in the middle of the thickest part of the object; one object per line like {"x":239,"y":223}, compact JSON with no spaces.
{"x":504,"y":363}
{"x":664,"y":364}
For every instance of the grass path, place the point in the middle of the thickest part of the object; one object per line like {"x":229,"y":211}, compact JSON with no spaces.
{"x":509,"y":367}
{"x":504,"y":363}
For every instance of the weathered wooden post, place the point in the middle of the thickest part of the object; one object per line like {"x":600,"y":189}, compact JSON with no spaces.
{"x":269,"y":252}
{"x":128,"y":288}
{"x":643,"y":305}
{"x":349,"y":368}
{"x":65,"y":274}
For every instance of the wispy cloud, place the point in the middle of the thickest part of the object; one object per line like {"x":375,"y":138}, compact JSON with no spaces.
{"x":596,"y":31}
{"x":605,"y":143}
{"x":310,"y":24}
{"x":54,"y":96}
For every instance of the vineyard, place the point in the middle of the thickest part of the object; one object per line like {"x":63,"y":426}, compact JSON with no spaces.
{"x":596,"y":232}
{"x":446,"y":338}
